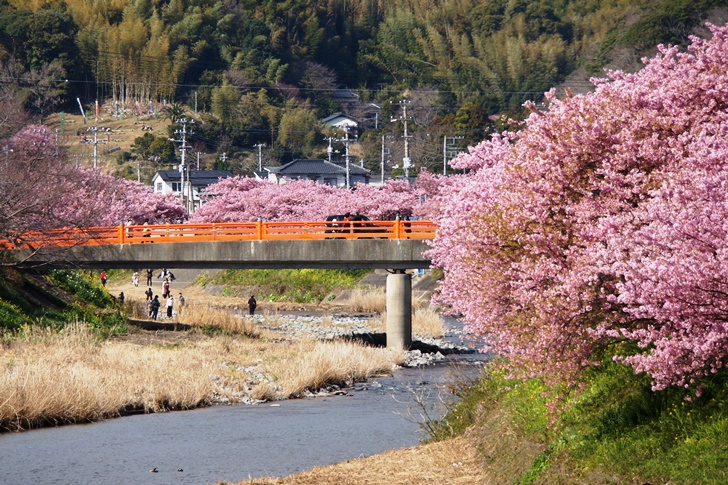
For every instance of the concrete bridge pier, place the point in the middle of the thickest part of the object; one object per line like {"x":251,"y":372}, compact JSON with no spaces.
{"x":399,"y":310}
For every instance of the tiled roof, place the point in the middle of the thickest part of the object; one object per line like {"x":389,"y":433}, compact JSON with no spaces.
{"x":197,"y":177}
{"x":306,"y":166}
{"x":338,"y":115}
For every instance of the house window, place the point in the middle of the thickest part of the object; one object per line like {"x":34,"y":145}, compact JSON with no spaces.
{"x":159,"y":187}
{"x":176,"y":186}
{"x":330,"y":181}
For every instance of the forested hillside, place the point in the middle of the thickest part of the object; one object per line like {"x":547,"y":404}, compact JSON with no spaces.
{"x":266,"y":71}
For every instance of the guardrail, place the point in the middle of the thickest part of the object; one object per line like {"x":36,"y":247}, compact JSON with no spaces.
{"x":228,"y":231}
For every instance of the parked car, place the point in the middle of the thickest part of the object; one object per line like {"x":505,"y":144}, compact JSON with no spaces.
{"x":358,"y":223}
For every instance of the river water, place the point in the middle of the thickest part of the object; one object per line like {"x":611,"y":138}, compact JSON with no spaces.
{"x":231,"y":443}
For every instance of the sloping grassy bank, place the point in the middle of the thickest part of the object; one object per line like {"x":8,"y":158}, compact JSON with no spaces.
{"x":54,"y":299}
{"x":300,"y":286}
{"x":616,"y":431}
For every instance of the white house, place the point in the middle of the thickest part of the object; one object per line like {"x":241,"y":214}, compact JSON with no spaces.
{"x":189,"y":187}
{"x":321,"y":171}
{"x":341,"y":122}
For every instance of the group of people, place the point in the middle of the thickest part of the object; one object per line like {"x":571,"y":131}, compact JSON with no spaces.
{"x":153,"y":302}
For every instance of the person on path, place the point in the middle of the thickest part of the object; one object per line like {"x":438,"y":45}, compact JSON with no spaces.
{"x":252,"y":304}
{"x":155,"y":307}
{"x":135,"y":278}
{"x":150,"y":274}
{"x":181,"y":300}
{"x":146,"y":230}
{"x":165,"y":289}
{"x":170,"y":305}
{"x":149,"y":294}
{"x":121,"y":298}
{"x":103,"y":278}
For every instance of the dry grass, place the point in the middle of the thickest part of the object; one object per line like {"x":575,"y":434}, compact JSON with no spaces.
{"x":219,"y":318}
{"x":369,"y":301}
{"x":69,"y":376}
{"x":428,"y":322}
{"x":338,"y":363}
{"x":51,"y":377}
{"x":453,"y":461}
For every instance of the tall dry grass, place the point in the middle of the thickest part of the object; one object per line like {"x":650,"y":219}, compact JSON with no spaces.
{"x":59,"y":377}
{"x":339,"y":363}
{"x":426,"y":321}
{"x":69,"y":376}
{"x":219,"y":318}
{"x":370,"y":301}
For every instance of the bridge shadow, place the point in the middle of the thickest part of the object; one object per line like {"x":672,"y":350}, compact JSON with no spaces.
{"x":158,"y":325}
{"x":380,"y":340}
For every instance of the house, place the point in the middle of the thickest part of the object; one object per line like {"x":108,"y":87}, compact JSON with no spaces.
{"x":345,"y":96}
{"x":321,"y":171}
{"x":195,"y":181}
{"x":341,"y":122}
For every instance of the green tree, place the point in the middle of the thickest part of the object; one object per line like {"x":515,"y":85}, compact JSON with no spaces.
{"x":297,"y":130}
{"x":162,"y":150}
{"x":224,"y":103}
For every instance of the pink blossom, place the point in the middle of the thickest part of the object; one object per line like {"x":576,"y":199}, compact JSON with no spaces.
{"x":601,"y":223}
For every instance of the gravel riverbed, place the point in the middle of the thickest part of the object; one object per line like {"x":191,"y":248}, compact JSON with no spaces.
{"x":426,"y":350}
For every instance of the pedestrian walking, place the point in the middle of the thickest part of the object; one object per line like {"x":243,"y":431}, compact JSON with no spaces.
{"x":150,"y":275}
{"x":170,"y":306}
{"x":121,"y":298}
{"x":181,"y":300}
{"x":149,"y":293}
{"x":155,"y":307}
{"x":135,"y":278}
{"x":165,"y":289}
{"x":146,"y":230}
{"x":252,"y":304}
{"x":103,"y":278}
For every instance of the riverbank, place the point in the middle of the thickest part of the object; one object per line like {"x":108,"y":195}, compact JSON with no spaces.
{"x":73,"y":375}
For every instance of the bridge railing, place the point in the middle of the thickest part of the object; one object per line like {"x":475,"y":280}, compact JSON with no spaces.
{"x":229,"y":231}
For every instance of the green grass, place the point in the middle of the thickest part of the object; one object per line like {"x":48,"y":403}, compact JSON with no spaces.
{"x":618,"y":428}
{"x":300,"y":286}
{"x":55,"y":299}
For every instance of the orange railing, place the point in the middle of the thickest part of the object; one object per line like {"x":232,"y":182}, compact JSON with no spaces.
{"x":229,"y":231}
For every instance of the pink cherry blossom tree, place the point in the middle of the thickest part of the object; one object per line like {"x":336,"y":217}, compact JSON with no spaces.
{"x":244,"y":199}
{"x":598,"y":228}
{"x":40,"y":190}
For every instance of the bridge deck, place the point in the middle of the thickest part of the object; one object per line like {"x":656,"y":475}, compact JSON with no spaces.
{"x":217,"y":232}
{"x":380,"y":244}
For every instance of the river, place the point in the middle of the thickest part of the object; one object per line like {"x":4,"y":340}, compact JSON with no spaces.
{"x":230,"y":443}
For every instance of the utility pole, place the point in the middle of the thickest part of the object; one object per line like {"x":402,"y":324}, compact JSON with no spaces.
{"x":94,"y":129}
{"x":260,"y":156}
{"x":330,"y":148}
{"x":445,"y":150}
{"x":385,"y":151}
{"x":346,"y":141}
{"x":183,"y":149}
{"x":406,"y":161}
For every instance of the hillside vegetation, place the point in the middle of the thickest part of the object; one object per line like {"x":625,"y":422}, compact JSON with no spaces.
{"x":257,"y":72}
